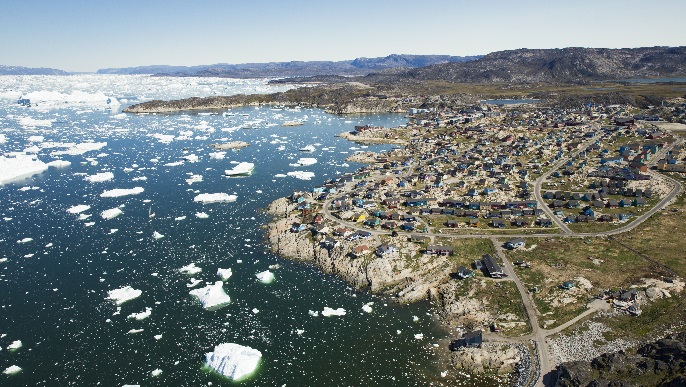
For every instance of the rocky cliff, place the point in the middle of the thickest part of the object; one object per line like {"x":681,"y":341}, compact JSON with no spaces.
{"x":662,"y":363}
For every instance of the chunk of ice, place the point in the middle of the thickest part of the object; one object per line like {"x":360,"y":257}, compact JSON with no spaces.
{"x":333,"y":312}
{"x":224,"y":273}
{"x":201,"y":215}
{"x":16,"y":344}
{"x":99,"y":177}
{"x":121,"y":295}
{"x":78,"y":209}
{"x":190,"y":269}
{"x":12,"y":370}
{"x":266,"y":277}
{"x":111,"y":213}
{"x":367,"y":307}
{"x":215,"y":198}
{"x":234,"y":361}
{"x":212,"y":296}
{"x":302,"y":175}
{"x":25,"y":240}
{"x":156,"y":372}
{"x":142,"y":315}
{"x":20,"y":166}
{"x":113,"y":193}
{"x":157,"y":235}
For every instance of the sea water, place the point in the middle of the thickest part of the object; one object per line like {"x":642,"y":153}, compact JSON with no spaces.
{"x":57,"y":267}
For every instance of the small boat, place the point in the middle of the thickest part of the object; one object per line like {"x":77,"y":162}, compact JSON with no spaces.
{"x":308,"y":148}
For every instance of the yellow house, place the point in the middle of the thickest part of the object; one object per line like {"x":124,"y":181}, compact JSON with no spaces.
{"x":361,"y":218}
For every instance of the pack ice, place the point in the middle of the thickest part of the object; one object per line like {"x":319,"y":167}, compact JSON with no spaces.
{"x":234,"y":361}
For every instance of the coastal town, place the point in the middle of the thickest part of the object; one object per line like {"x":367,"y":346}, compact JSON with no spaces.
{"x":511,"y":219}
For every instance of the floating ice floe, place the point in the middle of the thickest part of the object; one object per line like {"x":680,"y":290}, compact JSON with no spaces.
{"x":419,"y":336}
{"x":20,"y":166}
{"x":35,"y":139}
{"x":16,"y":344}
{"x":174,"y":164}
{"x":266,"y":277}
{"x":111,"y":213}
{"x":212,"y":296}
{"x":305,"y":161}
{"x":367,"y":307}
{"x":156,"y":372}
{"x":194,"y":179}
{"x":142,"y":315}
{"x":12,"y":370}
{"x":134,"y":331}
{"x":59,"y":163}
{"x":234,"y":361}
{"x":194,"y":282}
{"x":302,"y":175}
{"x":191,"y":158}
{"x":333,"y":312}
{"x":163,"y":138}
{"x":99,"y":177}
{"x":224,"y":273}
{"x":117,"y":192}
{"x":3,"y":138}
{"x":190,"y":269}
{"x":121,"y":295}
{"x":79,"y":149}
{"x":157,"y":235}
{"x":25,"y":240}
{"x":180,"y":218}
{"x":214,"y":198}
{"x":242,"y":169}
{"x":201,"y":215}
{"x":218,"y":155}
{"x":29,"y":121}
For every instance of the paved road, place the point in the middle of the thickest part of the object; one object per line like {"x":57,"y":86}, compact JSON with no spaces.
{"x":538,"y":334}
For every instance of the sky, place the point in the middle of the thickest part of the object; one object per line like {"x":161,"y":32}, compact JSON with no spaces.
{"x":86,"y":35}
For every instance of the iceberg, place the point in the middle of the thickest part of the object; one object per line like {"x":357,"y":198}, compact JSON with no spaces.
{"x":111,"y":213}
{"x":190,"y":269}
{"x":12,"y":370}
{"x":242,"y":169}
{"x":194,"y":179}
{"x":20,"y":166}
{"x":28,"y":121}
{"x":25,"y":240}
{"x":367,"y":307}
{"x":59,"y":163}
{"x":302,"y":175}
{"x":212,"y":296}
{"x":157,"y":235}
{"x":308,"y":148}
{"x":304,"y":161}
{"x":113,"y":193}
{"x":215,"y":198}
{"x":156,"y":372}
{"x":234,"y":361}
{"x":142,"y":315}
{"x":266,"y":277}
{"x":201,"y":215}
{"x":79,"y":149}
{"x":15,"y":345}
{"x":224,"y":273}
{"x":121,"y":295}
{"x":333,"y":312}
{"x":99,"y":177}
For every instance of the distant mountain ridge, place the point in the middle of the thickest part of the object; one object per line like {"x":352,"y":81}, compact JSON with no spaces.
{"x":20,"y":70}
{"x":566,"y":65}
{"x":356,"y":67}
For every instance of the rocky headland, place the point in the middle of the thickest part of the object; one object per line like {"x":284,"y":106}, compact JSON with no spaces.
{"x":661,"y":363}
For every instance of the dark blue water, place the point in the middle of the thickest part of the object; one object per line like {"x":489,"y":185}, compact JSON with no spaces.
{"x":53,"y":289}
